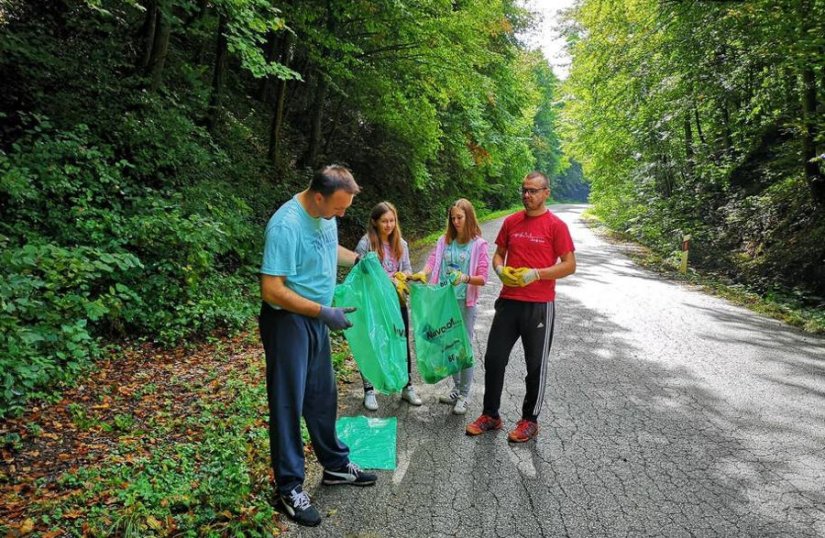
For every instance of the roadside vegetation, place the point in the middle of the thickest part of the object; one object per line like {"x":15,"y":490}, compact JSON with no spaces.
{"x":794,"y":308}
{"x":706,"y":119}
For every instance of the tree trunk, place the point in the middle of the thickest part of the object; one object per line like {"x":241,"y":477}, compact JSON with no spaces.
{"x":336,"y":120}
{"x":273,"y":45}
{"x":698,"y":126}
{"x":217,"y":76}
{"x":311,"y":157}
{"x":160,"y":48}
{"x":147,"y":34}
{"x":689,"y":153}
{"x":688,"y":139}
{"x":280,"y":100}
{"x":726,"y":137}
{"x":815,"y":179}
{"x":321,"y":91}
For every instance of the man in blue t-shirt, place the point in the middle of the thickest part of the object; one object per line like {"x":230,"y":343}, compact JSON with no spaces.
{"x":301,"y":254}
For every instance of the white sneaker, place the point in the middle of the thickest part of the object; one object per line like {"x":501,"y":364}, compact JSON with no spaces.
{"x":370,"y":402}
{"x":409,"y":394}
{"x":460,"y":406}
{"x":449,"y":398}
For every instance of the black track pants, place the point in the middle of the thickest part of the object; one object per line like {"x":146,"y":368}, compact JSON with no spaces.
{"x":533,"y":323}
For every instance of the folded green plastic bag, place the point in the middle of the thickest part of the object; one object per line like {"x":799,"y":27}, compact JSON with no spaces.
{"x":371,"y":441}
{"x":377,"y":337}
{"x":442,"y":347}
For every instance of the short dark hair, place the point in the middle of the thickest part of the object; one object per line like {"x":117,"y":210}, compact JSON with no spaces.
{"x":535,"y":174}
{"x":333,"y":178}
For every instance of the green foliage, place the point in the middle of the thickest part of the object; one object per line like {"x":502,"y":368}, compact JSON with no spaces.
{"x":51,"y":298}
{"x":135,"y":152}
{"x":128,"y":259}
{"x":694,"y":118}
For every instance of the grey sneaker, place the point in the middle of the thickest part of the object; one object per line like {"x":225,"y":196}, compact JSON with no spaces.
{"x":409,"y":394}
{"x":460,"y":406}
{"x":370,"y":401}
{"x":449,"y":398}
{"x":298,"y":507}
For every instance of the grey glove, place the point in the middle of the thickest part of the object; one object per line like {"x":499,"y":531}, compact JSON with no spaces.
{"x":335,"y":318}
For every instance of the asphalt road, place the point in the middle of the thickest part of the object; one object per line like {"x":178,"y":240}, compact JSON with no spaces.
{"x":668,"y":413}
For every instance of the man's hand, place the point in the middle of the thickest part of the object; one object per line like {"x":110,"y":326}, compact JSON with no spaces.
{"x":420,"y":276}
{"x":457,"y":277}
{"x":507,"y":275}
{"x":526,"y":276}
{"x":335,"y":318}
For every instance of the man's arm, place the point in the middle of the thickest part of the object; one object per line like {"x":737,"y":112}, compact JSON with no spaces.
{"x":346,"y":257}
{"x":498,"y":258}
{"x":566,"y":267}
{"x":274,"y":291}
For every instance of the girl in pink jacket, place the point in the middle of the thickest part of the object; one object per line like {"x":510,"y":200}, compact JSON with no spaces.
{"x":460,"y":258}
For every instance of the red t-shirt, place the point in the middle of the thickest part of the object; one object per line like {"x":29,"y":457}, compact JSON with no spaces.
{"x":534,"y":242}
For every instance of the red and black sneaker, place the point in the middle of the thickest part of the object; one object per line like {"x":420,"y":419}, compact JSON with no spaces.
{"x":524,"y":431}
{"x":482,"y":424}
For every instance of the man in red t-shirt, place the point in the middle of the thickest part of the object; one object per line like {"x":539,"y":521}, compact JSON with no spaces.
{"x":534,"y":250}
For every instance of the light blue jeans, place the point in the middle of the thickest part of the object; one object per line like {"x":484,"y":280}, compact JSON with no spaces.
{"x":463,"y":380}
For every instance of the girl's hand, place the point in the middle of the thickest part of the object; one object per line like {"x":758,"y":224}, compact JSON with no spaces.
{"x":401,"y":289}
{"x":420,"y":276}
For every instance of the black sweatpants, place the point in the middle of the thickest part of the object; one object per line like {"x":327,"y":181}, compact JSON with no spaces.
{"x":299,"y":382}
{"x":533,"y":323}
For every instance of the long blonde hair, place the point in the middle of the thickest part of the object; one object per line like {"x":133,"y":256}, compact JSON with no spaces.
{"x":375,"y":236}
{"x":471,"y":227}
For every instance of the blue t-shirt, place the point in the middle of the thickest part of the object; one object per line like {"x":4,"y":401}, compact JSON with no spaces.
{"x":456,"y":258}
{"x":304,"y":250}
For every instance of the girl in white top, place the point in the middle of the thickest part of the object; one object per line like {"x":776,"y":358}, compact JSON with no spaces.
{"x":384,"y":238}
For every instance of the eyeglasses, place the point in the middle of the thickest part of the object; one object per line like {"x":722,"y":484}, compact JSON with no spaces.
{"x":532,"y":192}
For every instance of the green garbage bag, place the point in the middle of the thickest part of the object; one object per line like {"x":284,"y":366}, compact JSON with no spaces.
{"x":371,"y":440}
{"x":442,"y":347}
{"x":377,"y":337}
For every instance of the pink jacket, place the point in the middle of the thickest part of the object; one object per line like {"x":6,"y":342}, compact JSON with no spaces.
{"x":479,"y":265}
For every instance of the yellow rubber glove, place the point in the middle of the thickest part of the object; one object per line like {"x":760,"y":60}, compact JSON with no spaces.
{"x":457,"y":277}
{"x":507,"y":275}
{"x":401,"y":285}
{"x":526,"y":276}
{"x":420,"y":276}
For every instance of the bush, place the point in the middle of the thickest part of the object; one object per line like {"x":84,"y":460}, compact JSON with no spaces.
{"x":51,"y":299}
{"x":92,"y":249}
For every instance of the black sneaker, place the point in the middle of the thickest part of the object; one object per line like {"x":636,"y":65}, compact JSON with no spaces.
{"x":349,"y":474}
{"x":298,"y":507}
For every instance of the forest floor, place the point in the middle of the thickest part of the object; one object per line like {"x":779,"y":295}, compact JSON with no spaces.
{"x":150,"y":443}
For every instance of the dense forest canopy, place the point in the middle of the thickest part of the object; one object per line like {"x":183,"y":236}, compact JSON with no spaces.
{"x":144,"y":143}
{"x":706,"y":118}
